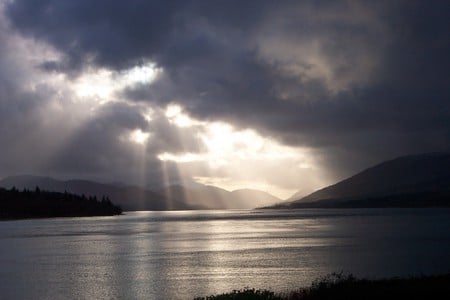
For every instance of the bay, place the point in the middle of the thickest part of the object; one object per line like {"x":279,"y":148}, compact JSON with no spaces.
{"x":183,"y":254}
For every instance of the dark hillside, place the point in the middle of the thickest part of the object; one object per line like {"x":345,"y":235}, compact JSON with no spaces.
{"x":15,"y":204}
{"x":408,"y":181}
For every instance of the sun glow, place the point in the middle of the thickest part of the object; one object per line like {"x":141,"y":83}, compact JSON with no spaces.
{"x":140,"y":74}
{"x":224,"y":143}
{"x":95,"y":84}
{"x":102,"y":84}
{"x":182,"y":158}
{"x":175,"y":115}
{"x":237,"y":158}
{"x":139,"y":137}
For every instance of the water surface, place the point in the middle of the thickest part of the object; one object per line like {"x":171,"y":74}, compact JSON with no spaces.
{"x":179,"y":255}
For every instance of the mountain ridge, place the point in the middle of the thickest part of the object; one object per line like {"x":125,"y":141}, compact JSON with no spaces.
{"x":424,"y":175}
{"x":175,"y":197}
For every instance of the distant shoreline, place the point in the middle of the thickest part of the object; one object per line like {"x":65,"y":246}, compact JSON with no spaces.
{"x":412,"y":200}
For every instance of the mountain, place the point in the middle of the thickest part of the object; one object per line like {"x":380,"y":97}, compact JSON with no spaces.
{"x":211,"y":197}
{"x":415,"y":180}
{"x":127,"y":197}
{"x":200,"y":196}
{"x":175,"y":197}
{"x":253,"y":198}
{"x":299,"y":194}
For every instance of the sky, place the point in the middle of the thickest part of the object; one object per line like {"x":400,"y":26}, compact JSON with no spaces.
{"x":280,"y":96}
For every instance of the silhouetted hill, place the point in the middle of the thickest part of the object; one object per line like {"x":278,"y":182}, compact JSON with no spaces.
{"x":299,"y":194}
{"x":199,"y":197}
{"x":408,"y":181}
{"x":254,"y":197}
{"x":15,"y":204}
{"x":211,"y":197}
{"x":175,"y":197}
{"x":127,"y":197}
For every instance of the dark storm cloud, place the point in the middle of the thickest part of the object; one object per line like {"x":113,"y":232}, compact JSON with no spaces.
{"x":101,"y":144}
{"x":113,"y":33}
{"x":359,"y":81}
{"x":46,"y":130}
{"x":19,"y":108}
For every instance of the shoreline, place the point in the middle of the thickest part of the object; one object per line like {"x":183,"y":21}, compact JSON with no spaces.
{"x":340,"y":286}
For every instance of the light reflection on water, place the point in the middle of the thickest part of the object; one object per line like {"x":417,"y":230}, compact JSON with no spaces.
{"x":179,"y":255}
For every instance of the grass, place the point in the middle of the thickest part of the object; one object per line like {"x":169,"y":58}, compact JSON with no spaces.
{"x":338,"y":286}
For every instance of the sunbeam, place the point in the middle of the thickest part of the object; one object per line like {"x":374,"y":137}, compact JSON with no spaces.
{"x":180,"y":149}
{"x":235,"y":158}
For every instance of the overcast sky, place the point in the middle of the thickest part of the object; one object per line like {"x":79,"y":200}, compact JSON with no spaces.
{"x":276,"y":95}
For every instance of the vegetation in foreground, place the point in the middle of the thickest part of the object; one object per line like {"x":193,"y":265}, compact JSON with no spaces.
{"x":337,"y":286}
{"x":15,"y":204}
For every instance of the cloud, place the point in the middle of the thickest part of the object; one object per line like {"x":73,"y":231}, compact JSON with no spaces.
{"x":353,"y":82}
